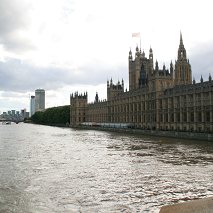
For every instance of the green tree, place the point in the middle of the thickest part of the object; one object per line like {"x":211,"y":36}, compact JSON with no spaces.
{"x":59,"y":116}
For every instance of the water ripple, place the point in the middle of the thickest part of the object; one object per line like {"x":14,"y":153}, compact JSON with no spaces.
{"x":48,"y":169}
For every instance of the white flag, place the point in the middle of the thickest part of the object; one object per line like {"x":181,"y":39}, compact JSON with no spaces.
{"x":136,"y":35}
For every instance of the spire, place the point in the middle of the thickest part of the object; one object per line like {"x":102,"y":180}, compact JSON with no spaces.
{"x":150,"y":53}
{"x":181,"y":49}
{"x":143,"y":54}
{"x":171,"y":67}
{"x":201,"y":79}
{"x":137,"y":53}
{"x":130,"y":54}
{"x":194,"y":82}
{"x":156,"y":66}
{"x":181,"y":39}
{"x":210,"y":77}
{"x":96,"y":98}
{"x":122,"y":82}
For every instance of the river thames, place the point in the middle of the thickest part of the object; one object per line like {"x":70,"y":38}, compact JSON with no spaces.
{"x":50,"y":169}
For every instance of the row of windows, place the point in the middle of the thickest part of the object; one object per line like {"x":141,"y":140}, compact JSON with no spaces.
{"x":186,"y":117}
{"x":138,"y":98}
{"x":151,"y":117}
{"x":137,"y":107}
{"x":186,"y":100}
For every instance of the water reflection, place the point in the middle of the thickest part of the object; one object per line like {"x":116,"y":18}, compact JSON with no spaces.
{"x":48,"y":169}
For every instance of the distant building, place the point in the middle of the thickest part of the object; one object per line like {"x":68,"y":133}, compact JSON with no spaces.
{"x":24,"y":113}
{"x":27,"y":115}
{"x":32,"y":105}
{"x":39,"y":100}
{"x":15,"y":116}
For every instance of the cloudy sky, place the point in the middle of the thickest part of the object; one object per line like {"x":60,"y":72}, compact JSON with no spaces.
{"x":67,"y":45}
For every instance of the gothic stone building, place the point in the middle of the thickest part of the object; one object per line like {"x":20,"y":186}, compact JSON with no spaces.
{"x":158,"y":99}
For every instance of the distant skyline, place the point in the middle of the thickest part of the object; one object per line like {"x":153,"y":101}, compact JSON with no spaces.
{"x":64,"y":46}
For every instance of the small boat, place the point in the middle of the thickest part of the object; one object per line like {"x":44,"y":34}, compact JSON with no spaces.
{"x":8,"y":122}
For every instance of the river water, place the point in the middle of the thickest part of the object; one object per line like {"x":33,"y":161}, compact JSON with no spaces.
{"x":50,"y":169}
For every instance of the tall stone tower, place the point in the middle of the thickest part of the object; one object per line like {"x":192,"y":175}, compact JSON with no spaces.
{"x":140,"y":69}
{"x":78,"y":107}
{"x":183,"y":73}
{"x":114,"y":89}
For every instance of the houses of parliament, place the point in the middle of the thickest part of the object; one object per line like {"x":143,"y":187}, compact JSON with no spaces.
{"x":157,"y":99}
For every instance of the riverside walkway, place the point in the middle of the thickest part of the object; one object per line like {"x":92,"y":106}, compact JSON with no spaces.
{"x":204,"y":205}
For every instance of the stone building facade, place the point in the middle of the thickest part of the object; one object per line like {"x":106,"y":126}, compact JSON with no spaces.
{"x":158,"y":99}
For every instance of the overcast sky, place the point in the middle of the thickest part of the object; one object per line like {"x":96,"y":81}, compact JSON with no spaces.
{"x":67,"y":45}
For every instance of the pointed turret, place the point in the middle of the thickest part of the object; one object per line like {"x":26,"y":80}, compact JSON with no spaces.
{"x":201,"y":79}
{"x":182,"y":66}
{"x":181,"y":39}
{"x":194,"y":82}
{"x":130,"y":55}
{"x":156,"y":66}
{"x":143,"y":54}
{"x":150,"y":53}
{"x":137,"y":53}
{"x":151,"y":60}
{"x":181,"y":49}
{"x":210,"y":77}
{"x":171,"y":67}
{"x":171,"y":70}
{"x":96,"y":98}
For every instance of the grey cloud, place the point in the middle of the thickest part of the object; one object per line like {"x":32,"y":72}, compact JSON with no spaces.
{"x":11,"y":95}
{"x":19,"y":76}
{"x":12,"y":15}
{"x":6,"y":103}
{"x":16,"y":75}
{"x":201,"y":59}
{"x":13,"y":19}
